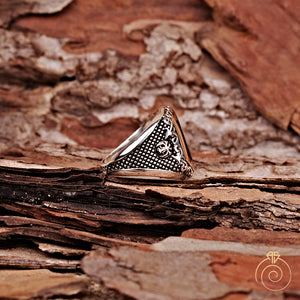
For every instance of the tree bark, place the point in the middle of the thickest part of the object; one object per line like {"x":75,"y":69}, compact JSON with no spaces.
{"x":48,"y":210}
{"x":271,"y":28}
{"x":76,"y":79}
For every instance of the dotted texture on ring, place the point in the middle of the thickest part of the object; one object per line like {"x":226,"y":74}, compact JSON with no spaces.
{"x":145,"y":156}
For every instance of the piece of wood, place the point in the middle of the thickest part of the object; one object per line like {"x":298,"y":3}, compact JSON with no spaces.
{"x":252,"y":236}
{"x":11,"y":10}
{"x":29,"y":258}
{"x":233,"y":192}
{"x":65,"y":235}
{"x":90,"y":74}
{"x":97,"y":99}
{"x":157,"y":275}
{"x":258,"y":42}
{"x":61,"y":250}
{"x":183,"y":268}
{"x":28,"y":284}
{"x":99,"y":24}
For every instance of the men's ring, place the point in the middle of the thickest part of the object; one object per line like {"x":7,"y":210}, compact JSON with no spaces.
{"x":157,"y":150}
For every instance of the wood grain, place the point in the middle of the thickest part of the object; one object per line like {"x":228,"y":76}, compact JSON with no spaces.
{"x":258,"y":42}
{"x":77,"y":78}
{"x":98,"y":25}
{"x":229,"y":191}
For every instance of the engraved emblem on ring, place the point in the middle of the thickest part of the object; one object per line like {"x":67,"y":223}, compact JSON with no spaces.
{"x":164,"y":149}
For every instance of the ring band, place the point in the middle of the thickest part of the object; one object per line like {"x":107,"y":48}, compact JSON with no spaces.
{"x":157,"y":150}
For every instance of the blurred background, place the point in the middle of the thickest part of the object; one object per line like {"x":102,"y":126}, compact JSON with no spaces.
{"x":87,"y":73}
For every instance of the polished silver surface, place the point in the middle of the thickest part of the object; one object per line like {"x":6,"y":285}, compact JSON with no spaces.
{"x":157,"y":150}
{"x":136,"y":139}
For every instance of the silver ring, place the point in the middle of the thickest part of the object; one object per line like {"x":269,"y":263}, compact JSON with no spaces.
{"x":157,"y":150}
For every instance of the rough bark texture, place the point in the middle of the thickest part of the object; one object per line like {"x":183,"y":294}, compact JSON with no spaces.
{"x":228,"y":191}
{"x":258,"y":42}
{"x":97,"y":99}
{"x":157,"y":273}
{"x":76,"y":80}
{"x":51,"y":217}
{"x":10,"y":10}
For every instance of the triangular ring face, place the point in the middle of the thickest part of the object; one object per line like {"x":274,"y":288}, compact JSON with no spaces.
{"x":157,"y":150}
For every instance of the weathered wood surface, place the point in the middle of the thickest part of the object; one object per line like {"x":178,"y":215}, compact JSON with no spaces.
{"x":212,"y":269}
{"x":228,"y":191}
{"x":98,"y":25}
{"x":39,"y":284}
{"x":203,"y":264}
{"x":97,"y":95}
{"x":90,"y":74}
{"x":258,"y":42}
{"x":11,"y":10}
{"x":52,"y":217}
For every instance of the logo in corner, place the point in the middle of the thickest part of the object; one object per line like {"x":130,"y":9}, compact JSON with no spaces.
{"x":273,"y":272}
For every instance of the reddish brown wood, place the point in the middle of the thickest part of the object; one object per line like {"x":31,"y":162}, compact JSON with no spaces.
{"x":193,"y":269}
{"x":258,"y":42}
{"x":254,"y":236}
{"x":10,"y":10}
{"x":99,"y":135}
{"x":98,"y":25}
{"x":90,"y":74}
{"x":28,"y":284}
